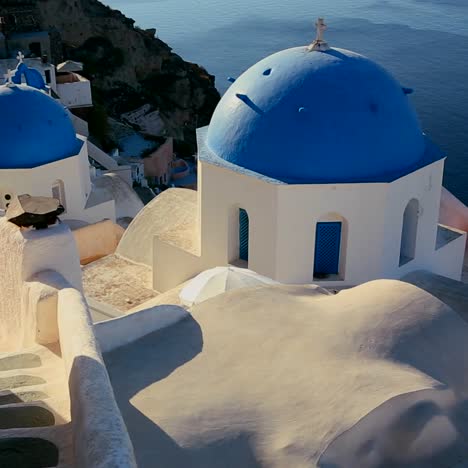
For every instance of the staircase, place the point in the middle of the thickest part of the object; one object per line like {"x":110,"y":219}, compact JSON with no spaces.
{"x":35,"y":428}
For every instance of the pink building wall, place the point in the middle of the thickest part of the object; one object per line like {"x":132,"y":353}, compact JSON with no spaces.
{"x":159,"y":163}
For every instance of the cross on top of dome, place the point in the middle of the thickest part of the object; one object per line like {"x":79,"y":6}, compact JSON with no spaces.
{"x":20,"y":57}
{"x":320,"y":44}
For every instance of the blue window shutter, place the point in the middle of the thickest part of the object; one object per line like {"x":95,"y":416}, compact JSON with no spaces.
{"x":243,"y":235}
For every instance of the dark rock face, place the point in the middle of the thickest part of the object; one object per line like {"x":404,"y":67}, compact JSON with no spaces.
{"x":128,"y":65}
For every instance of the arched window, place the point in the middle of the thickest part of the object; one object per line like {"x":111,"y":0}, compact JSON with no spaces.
{"x":409,"y":232}
{"x":35,"y":49}
{"x":58,"y":192}
{"x":331,"y":233}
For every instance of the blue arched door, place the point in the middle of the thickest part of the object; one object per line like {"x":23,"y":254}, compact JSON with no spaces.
{"x":327,"y":249}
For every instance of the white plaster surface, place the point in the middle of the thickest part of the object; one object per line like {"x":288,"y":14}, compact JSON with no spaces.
{"x":75,"y":94}
{"x":448,"y":260}
{"x":98,"y":155}
{"x":97,"y":240}
{"x":282,"y":226}
{"x":42,"y":302}
{"x":38,"y":181}
{"x":127,"y":202}
{"x":451,"y":292}
{"x":282,"y":376}
{"x":118,"y":282}
{"x":26,"y":253}
{"x":120,"y":331}
{"x":171,"y":214}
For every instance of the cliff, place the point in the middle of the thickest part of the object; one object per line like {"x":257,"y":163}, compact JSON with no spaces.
{"x":128,"y":66}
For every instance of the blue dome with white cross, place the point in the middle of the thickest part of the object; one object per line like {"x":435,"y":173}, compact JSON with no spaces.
{"x":310,"y":116}
{"x":35,"y":129}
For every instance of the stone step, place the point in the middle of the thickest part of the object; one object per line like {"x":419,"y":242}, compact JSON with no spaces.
{"x":31,"y":394}
{"x":15,"y":444}
{"x":49,"y":350}
{"x":49,"y":412}
{"x":25,"y":415}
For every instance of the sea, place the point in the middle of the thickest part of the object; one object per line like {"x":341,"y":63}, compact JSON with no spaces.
{"x":423,"y":43}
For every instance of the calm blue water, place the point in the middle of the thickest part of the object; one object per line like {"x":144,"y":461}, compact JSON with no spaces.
{"x":424,"y":43}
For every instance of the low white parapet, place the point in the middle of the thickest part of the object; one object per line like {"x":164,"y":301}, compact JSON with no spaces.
{"x":449,"y":254}
{"x":100,"y":438}
{"x":128,"y":328}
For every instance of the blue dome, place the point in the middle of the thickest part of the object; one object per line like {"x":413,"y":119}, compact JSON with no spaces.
{"x":303,"y":116}
{"x":34,"y":129}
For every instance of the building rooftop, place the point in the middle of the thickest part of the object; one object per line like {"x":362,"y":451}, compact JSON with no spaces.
{"x":234,"y":369}
{"x":118,"y":282}
{"x":172,"y":216}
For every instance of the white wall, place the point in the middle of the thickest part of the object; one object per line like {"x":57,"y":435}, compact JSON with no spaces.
{"x":97,"y":240}
{"x":448,"y":259}
{"x":77,"y":94}
{"x":38,"y":181}
{"x":221,"y":194}
{"x":123,"y":330}
{"x":300,"y":207}
{"x":101,"y":157}
{"x":283,"y":220}
{"x":81,"y":126}
{"x":127,"y":202}
{"x":425,"y":186}
{"x":173,"y":265}
{"x":24,"y":254}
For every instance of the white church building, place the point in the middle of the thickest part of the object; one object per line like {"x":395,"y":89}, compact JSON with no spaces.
{"x":314,"y":168}
{"x":42,"y":154}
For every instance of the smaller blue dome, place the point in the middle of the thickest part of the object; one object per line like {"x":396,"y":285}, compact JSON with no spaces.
{"x":32,"y":76}
{"x":34,"y":129}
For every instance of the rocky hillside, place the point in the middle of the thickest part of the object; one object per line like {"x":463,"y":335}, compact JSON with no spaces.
{"x":129,"y":66}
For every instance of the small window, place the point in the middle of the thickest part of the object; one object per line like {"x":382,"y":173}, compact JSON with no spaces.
{"x":58,"y":192}
{"x":47,"y":76}
{"x":409,"y":232}
{"x":35,"y":49}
